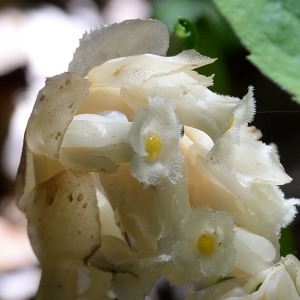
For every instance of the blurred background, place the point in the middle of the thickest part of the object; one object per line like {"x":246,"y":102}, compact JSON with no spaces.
{"x":37,"y":40}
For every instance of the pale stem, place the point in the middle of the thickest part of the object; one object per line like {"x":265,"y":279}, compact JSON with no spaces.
{"x":63,"y":283}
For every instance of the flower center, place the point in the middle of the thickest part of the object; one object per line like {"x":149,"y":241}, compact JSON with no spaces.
{"x":206,"y":244}
{"x":230,"y":122}
{"x":153,"y":146}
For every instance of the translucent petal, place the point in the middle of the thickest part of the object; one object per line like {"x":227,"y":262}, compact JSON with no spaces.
{"x":137,"y":70}
{"x":200,"y":221}
{"x":253,"y":252}
{"x":93,"y":142}
{"x":212,"y":185}
{"x":92,"y":131}
{"x":195,"y":105}
{"x":54,"y":109}
{"x":64,"y":221}
{"x":130,"y":37}
{"x":159,"y":119}
{"x":248,"y":159}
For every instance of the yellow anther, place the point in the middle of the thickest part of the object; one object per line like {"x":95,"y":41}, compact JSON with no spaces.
{"x":230,"y":122}
{"x":206,"y":244}
{"x":153,"y":146}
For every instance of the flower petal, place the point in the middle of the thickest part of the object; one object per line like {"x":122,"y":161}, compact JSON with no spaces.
{"x":54,"y":109}
{"x":253,"y":252}
{"x":211,"y":184}
{"x":158,"y":122}
{"x":138,"y":69}
{"x":93,"y":142}
{"x":130,"y":37}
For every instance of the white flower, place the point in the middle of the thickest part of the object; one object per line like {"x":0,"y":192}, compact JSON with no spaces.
{"x":280,"y":281}
{"x":134,"y":79}
{"x":211,"y":184}
{"x":247,"y":158}
{"x":204,"y":247}
{"x":155,"y":138}
{"x":188,"y":204}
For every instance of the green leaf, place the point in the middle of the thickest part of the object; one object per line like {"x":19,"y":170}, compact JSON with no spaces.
{"x":270,"y":30}
{"x":287,"y":245}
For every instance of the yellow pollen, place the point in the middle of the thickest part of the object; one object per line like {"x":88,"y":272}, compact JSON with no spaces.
{"x":230,"y":122}
{"x":206,"y":244}
{"x":153,"y":146}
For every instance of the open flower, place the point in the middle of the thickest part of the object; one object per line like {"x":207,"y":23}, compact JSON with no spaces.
{"x":155,"y":138}
{"x":211,"y":183}
{"x":232,"y":149}
{"x":204,"y":247}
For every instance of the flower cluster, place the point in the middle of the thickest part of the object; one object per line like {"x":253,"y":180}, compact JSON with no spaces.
{"x":133,"y":169}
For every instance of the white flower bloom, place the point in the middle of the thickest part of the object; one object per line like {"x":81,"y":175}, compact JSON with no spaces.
{"x":204,"y":247}
{"x":211,"y":184}
{"x":239,"y":151}
{"x":192,"y":204}
{"x":173,"y":78}
{"x":155,"y":138}
{"x":280,"y":281}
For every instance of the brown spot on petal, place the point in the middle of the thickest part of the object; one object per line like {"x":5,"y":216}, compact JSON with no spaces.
{"x":42,"y":97}
{"x":80,"y":197}
{"x":58,"y":134}
{"x":118,"y":71}
{"x":50,"y":199}
{"x":70,"y":197}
